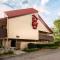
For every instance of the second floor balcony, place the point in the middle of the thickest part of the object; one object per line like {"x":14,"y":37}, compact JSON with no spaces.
{"x":44,"y":36}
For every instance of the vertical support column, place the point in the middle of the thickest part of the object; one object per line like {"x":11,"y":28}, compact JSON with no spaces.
{"x":17,"y":44}
{"x":7,"y":42}
{"x":3,"y":42}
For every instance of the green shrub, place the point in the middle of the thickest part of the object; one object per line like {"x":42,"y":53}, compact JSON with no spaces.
{"x":34,"y":47}
{"x":7,"y":53}
{"x":30,"y":49}
{"x":1,"y":46}
{"x":10,"y":52}
{"x":1,"y":54}
{"x":49,"y":46}
{"x":31,"y":45}
{"x":57,"y":43}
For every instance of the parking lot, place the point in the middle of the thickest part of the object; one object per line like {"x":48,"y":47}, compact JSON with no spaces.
{"x":44,"y":54}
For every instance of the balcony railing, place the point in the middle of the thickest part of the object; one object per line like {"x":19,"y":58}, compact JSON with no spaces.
{"x":3,"y":30}
{"x":45,"y":36}
{"x":3,"y":33}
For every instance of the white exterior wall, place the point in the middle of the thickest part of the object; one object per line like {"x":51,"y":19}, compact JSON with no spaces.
{"x":41,"y":27}
{"x":21,"y":26}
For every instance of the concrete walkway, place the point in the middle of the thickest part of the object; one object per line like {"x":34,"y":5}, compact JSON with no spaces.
{"x":45,"y":54}
{"x":18,"y":52}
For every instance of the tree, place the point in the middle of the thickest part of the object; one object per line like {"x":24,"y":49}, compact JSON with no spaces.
{"x":57,"y":29}
{"x":57,"y":24}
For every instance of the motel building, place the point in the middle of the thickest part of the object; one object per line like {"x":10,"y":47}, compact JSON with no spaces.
{"x":18,"y":28}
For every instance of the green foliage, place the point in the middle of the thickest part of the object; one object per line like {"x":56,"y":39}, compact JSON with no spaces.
{"x":31,"y":45}
{"x":1,"y":46}
{"x":57,"y":24}
{"x":7,"y":53}
{"x":30,"y":50}
{"x":34,"y":47}
{"x":57,"y":30}
{"x":57,"y":43}
{"x":47,"y":46}
{"x":40,"y":46}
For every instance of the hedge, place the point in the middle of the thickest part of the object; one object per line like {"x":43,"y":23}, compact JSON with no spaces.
{"x":31,"y":45}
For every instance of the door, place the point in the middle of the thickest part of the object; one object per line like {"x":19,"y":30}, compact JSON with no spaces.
{"x":13,"y":43}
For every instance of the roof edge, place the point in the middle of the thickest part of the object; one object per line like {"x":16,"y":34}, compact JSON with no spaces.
{"x":45,"y":24}
{"x":8,"y":13}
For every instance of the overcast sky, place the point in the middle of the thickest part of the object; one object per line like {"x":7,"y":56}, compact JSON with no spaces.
{"x":48,"y":9}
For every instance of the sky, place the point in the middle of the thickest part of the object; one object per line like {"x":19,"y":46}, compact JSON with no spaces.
{"x":49,"y":10}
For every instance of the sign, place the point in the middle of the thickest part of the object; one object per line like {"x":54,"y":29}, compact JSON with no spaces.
{"x":34,"y":22}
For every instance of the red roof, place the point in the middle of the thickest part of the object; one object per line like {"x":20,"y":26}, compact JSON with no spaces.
{"x":15,"y":13}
